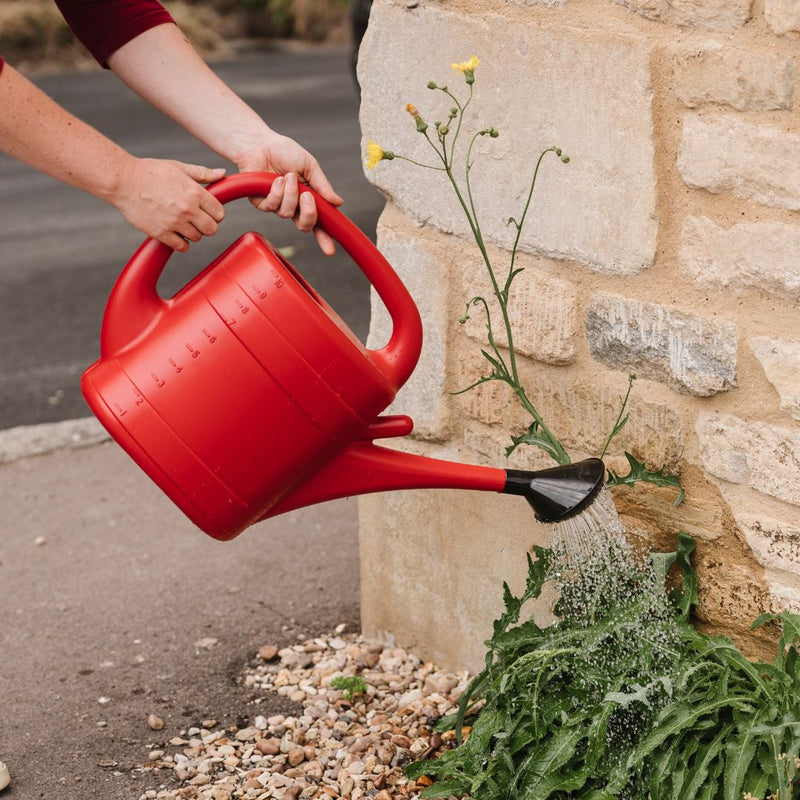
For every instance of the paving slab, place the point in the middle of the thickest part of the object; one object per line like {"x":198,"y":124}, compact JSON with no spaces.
{"x":106,"y":589}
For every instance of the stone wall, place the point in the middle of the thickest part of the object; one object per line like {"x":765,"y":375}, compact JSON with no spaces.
{"x":669,"y":246}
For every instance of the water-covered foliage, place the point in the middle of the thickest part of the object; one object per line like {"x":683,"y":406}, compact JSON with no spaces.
{"x":622,"y":697}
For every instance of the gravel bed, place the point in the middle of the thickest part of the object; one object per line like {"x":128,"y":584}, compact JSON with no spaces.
{"x":339,"y":746}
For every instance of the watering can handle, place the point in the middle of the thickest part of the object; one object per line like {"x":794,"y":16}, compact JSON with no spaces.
{"x":134,"y":304}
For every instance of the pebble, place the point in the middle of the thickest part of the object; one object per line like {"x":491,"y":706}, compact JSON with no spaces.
{"x":5,"y":776}
{"x":331,"y":749}
{"x":154,"y":722}
{"x":268,"y":652}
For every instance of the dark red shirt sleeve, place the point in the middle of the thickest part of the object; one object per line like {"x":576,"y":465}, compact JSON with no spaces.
{"x":103,"y":26}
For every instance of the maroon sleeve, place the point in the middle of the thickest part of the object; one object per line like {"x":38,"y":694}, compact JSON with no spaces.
{"x":105,"y":25}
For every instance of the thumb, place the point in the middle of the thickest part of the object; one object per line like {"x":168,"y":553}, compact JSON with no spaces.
{"x":203,"y":174}
{"x":319,"y":183}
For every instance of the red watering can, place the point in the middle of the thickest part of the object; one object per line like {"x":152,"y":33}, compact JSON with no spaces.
{"x":245,"y":395}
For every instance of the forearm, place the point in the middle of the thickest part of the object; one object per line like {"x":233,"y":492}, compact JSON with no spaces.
{"x":162,"y":67}
{"x":36,"y":130}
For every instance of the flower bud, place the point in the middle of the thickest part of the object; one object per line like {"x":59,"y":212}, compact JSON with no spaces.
{"x":422,"y":126}
{"x":431,"y":85}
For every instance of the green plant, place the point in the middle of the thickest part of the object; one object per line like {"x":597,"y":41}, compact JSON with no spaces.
{"x":627,"y":700}
{"x":502,"y":361}
{"x":351,"y":685}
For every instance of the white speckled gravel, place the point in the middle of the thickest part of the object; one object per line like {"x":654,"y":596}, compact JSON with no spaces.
{"x":335,"y":748}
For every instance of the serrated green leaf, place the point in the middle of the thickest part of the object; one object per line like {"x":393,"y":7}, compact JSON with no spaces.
{"x":739,"y":756}
{"x":639,"y":473}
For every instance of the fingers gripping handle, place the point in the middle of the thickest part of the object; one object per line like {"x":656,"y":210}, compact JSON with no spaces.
{"x":135,"y":304}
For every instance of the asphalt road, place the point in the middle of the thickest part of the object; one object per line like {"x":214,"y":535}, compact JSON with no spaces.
{"x":61,"y":250}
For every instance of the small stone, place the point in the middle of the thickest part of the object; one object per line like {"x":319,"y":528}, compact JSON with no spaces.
{"x":155,"y":755}
{"x":296,"y":756}
{"x":268,"y":747}
{"x":5,"y":776}
{"x":39,"y":541}
{"x":208,"y":723}
{"x":268,"y":652}
{"x":206,"y":643}
{"x":155,"y":723}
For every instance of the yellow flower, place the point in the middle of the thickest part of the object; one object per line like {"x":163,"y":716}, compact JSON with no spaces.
{"x":467,"y":66}
{"x":375,"y":153}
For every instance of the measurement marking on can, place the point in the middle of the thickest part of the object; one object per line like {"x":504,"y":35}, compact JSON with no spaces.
{"x":175,"y":366}
{"x":210,"y":336}
{"x":158,"y":381}
{"x":191,"y":349}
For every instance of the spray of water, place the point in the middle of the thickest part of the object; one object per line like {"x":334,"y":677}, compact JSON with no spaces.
{"x":629,"y":650}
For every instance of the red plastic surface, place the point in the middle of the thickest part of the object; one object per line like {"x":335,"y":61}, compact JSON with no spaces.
{"x":234,"y":391}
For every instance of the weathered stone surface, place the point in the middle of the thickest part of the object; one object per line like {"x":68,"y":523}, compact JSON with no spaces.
{"x":751,"y":255}
{"x":543,"y":311}
{"x":764,"y":457}
{"x":424,"y":395}
{"x":545,"y":3}
{"x":775,"y":543}
{"x":534,"y":84}
{"x":719,"y":14}
{"x":748,"y":80}
{"x":481,"y":537}
{"x":780,"y":359}
{"x":782,"y":15}
{"x":723,"y":153}
{"x":784,"y":598}
{"x":689,"y":353}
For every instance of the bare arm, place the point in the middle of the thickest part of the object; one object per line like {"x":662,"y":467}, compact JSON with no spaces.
{"x":164,"y":199}
{"x":163,"y":68}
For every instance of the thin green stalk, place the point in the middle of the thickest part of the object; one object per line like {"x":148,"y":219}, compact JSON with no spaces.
{"x":620,"y":423}
{"x":521,"y":222}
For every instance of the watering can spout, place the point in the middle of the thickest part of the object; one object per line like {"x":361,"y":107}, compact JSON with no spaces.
{"x":364,"y":467}
{"x":560,"y":492}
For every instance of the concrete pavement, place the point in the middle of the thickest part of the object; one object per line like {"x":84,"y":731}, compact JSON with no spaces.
{"x":105,"y":591}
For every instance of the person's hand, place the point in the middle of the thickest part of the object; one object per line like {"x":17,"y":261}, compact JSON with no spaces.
{"x":167,"y":201}
{"x":283,"y":155}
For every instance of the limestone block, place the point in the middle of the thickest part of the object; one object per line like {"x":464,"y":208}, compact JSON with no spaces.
{"x":689,"y":353}
{"x":748,"y":80}
{"x":784,"y":598}
{"x":764,"y":457}
{"x":534,"y":84}
{"x":424,"y":396}
{"x":780,"y":359}
{"x":723,"y":153}
{"x":782,"y":15}
{"x":545,"y":3}
{"x":758,"y":255}
{"x":543,"y":312}
{"x":718,"y":14}
{"x":775,"y":543}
